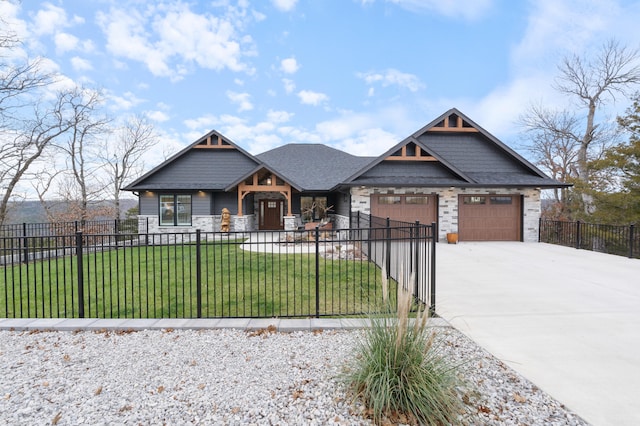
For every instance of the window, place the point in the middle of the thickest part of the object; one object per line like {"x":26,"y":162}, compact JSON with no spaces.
{"x":501,"y":200}
{"x":175,"y":210}
{"x":416,"y":200}
{"x":475,"y":200}
{"x":313,"y":208}
{"x":389,"y":200}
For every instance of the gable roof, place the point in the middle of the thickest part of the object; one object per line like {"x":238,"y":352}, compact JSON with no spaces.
{"x":452,"y":150}
{"x":213,"y":159}
{"x":312,"y":167}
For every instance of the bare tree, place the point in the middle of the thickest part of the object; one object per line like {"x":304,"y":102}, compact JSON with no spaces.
{"x":19,"y":77}
{"x":22,"y":147}
{"x":81,"y":184}
{"x":122,"y":157}
{"x":27,"y":123}
{"x":565,"y":141}
{"x":592,"y":83}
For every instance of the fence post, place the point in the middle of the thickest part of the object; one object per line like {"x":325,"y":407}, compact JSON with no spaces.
{"x":631,"y":229}
{"x":432,"y":303}
{"x":539,"y":229}
{"x":198,"y":275}
{"x":578,"y":235}
{"x":317,"y":238}
{"x":416,"y":256}
{"x":79,"y":250}
{"x":387,"y":259}
{"x":26,"y":243}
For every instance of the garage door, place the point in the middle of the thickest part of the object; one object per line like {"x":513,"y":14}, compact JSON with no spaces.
{"x":407,"y":208}
{"x":489,"y":218}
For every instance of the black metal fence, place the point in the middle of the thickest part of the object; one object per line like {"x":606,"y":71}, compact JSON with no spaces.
{"x":201,"y":274}
{"x":115,"y":226}
{"x":612,"y":239}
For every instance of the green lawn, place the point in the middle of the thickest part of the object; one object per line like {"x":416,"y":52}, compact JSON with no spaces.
{"x":161,"y":282}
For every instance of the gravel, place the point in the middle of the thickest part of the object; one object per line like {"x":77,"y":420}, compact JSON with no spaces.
{"x":228,"y":377}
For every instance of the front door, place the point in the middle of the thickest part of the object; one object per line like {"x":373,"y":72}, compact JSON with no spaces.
{"x":271,"y":214}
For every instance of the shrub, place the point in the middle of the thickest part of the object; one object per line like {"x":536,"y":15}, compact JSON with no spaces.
{"x":399,"y":372}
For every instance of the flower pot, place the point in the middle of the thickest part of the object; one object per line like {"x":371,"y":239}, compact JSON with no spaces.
{"x":452,"y":237}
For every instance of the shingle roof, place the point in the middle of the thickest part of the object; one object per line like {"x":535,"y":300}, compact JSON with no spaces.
{"x":312,"y":167}
{"x":467,"y":156}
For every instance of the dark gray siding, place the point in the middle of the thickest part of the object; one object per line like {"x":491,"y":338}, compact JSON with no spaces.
{"x":473,"y":152}
{"x":227,"y":200}
{"x":201,"y":204}
{"x":148,"y":203}
{"x":199,"y":169}
{"x":342,"y":204}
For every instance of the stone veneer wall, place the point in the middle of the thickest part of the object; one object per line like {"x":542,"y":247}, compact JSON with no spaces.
{"x":206,"y":223}
{"x":340,"y":222}
{"x":448,"y":205}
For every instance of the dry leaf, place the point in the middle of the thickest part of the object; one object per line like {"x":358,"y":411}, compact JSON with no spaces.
{"x":484,"y":409}
{"x":98,"y":391}
{"x":519,"y":398}
{"x":160,"y":389}
{"x":56,"y":419}
{"x":67,"y":357}
{"x":201,"y":386}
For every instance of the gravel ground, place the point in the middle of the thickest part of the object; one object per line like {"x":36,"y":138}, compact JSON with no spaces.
{"x":227,"y":377}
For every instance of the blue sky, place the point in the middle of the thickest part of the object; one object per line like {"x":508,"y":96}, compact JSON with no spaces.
{"x":359,"y":75}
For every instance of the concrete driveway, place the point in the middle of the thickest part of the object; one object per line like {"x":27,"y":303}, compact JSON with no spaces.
{"x":566,"y":319}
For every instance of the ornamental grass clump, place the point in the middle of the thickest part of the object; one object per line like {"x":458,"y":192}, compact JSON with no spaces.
{"x":399,"y":372}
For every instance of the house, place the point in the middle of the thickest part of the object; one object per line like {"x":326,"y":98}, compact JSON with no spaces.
{"x":451,"y":171}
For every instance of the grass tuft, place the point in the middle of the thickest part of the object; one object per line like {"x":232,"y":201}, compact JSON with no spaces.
{"x":399,"y":372}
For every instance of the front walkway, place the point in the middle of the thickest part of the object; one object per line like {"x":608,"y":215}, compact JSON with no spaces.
{"x":566,"y":319}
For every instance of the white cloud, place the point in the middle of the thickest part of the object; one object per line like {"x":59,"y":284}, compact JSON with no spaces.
{"x":464,"y":9}
{"x":567,"y":26}
{"x":369,"y":142}
{"x":125,"y":102}
{"x":284,"y":5}
{"x":200,"y":123}
{"x":289,"y":65}
{"x":80,"y":64}
{"x":289,"y":85}
{"x":279,"y":116}
{"x":309,"y":97}
{"x":392,"y":77}
{"x":65,"y":42}
{"x":159,"y":116}
{"x":49,"y":20}
{"x":169,"y":39}
{"x":240,"y":99}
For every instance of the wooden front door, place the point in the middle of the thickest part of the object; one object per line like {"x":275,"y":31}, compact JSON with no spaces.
{"x":271,"y":214}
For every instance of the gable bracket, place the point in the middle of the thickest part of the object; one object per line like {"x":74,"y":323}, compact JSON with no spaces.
{"x":453,"y":123}
{"x":214,"y":141}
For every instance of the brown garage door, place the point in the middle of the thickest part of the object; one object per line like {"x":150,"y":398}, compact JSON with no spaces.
{"x":489,"y":217}
{"x":407,"y":208}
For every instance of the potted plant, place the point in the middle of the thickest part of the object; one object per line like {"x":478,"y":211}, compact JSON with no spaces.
{"x":452,"y":237}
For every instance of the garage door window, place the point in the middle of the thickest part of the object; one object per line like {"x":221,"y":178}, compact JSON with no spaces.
{"x":501,"y":200}
{"x":475,"y":200}
{"x":389,"y":200}
{"x":416,"y":200}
